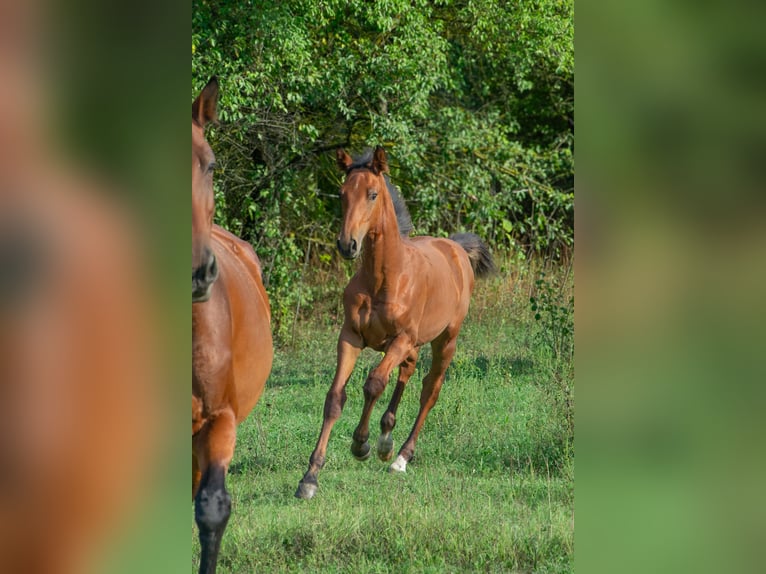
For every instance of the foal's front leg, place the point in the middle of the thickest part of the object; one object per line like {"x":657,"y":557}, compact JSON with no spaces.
{"x":398,"y":350}
{"x":349,"y":347}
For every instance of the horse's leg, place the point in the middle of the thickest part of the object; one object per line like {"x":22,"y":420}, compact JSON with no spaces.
{"x":196,"y":475}
{"x":215,"y":448}
{"x":376,"y":382}
{"x":349,"y":347}
{"x":443,"y":349}
{"x":385,"y":445}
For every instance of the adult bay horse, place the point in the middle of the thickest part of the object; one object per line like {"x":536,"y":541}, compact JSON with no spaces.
{"x":231,"y":340}
{"x":407,"y":292}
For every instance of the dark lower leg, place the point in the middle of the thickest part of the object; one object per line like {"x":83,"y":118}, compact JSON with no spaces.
{"x":212,"y":509}
{"x":428,"y":397}
{"x":213,"y":448}
{"x":333,"y":407}
{"x":373,"y":388}
{"x":399,"y":350}
{"x":443,"y":351}
{"x":349,"y":348}
{"x":388,"y":420}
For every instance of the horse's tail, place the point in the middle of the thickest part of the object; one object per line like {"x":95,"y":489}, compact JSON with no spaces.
{"x":478,"y":253}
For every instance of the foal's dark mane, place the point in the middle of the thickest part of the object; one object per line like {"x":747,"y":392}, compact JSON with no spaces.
{"x":403,"y":219}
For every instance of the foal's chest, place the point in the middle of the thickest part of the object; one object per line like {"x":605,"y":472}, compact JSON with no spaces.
{"x":379,"y":321}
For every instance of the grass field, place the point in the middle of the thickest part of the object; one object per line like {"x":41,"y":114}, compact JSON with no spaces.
{"x":491,"y":486}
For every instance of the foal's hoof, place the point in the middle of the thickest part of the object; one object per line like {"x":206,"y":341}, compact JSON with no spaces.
{"x":399,"y":465}
{"x":361,"y":452}
{"x":385,"y":447}
{"x":305,"y":490}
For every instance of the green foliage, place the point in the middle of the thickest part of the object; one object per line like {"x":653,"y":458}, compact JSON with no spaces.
{"x":472,"y":99}
{"x":554,"y":313}
{"x":556,"y":317}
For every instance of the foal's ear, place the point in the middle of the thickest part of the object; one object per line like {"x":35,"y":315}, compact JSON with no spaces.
{"x":344,"y":160}
{"x":204,"y":108}
{"x":379,"y":161}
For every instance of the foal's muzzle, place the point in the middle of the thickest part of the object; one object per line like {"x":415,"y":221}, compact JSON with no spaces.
{"x":203,"y":278}
{"x":349,"y":249}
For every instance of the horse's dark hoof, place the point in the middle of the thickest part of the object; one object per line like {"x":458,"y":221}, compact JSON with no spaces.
{"x":306,"y":491}
{"x":361,"y":452}
{"x":385,"y":447}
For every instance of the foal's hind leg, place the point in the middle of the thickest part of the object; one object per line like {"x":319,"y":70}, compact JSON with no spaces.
{"x":443,"y":349}
{"x":385,"y":445}
{"x":397,"y":351}
{"x":214,"y":447}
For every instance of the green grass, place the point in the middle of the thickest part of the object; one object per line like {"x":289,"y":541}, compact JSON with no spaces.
{"x":491,"y":486}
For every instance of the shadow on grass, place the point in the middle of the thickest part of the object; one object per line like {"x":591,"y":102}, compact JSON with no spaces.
{"x":299,"y":373}
{"x":516,"y":366}
{"x":245,"y":467}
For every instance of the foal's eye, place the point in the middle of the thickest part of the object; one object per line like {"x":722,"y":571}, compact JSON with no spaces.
{"x":372,"y":194}
{"x":211,"y":167}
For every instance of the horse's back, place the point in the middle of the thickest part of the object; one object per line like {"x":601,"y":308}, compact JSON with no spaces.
{"x":446,"y":271}
{"x":241,"y":252}
{"x":448,"y":263}
{"x":251,"y":342}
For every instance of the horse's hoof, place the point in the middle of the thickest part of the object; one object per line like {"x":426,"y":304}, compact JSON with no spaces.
{"x":361,"y":452}
{"x":385,"y":447}
{"x":399,"y":465}
{"x":305,"y":490}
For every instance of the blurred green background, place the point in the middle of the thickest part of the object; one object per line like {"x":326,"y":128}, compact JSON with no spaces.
{"x":120,"y":107}
{"x":670,"y":274}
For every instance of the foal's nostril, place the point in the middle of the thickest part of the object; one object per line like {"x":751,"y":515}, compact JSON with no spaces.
{"x":204,"y":276}
{"x":348,"y":250}
{"x":211,"y":270}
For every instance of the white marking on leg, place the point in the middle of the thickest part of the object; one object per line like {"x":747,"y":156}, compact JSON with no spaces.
{"x":399,"y":465}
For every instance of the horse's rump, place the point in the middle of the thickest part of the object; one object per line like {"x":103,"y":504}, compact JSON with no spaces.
{"x":458,"y":269}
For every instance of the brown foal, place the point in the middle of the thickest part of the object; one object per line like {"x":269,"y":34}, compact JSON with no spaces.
{"x":231,"y":340}
{"x":407,"y":292}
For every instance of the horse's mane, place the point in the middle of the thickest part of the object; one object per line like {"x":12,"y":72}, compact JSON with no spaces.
{"x":403,"y":219}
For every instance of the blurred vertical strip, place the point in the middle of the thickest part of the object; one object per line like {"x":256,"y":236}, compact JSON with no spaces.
{"x":671,"y":242}
{"x":94,"y":321}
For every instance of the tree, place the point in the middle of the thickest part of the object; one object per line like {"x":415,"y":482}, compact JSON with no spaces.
{"x":473,"y":99}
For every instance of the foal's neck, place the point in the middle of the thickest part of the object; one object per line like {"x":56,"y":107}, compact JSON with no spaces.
{"x":383,"y":254}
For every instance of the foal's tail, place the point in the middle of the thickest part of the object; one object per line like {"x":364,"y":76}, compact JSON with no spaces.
{"x":478,"y":253}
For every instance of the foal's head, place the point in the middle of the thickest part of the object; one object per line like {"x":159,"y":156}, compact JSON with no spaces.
{"x":361,"y":198}
{"x":204,"y":266}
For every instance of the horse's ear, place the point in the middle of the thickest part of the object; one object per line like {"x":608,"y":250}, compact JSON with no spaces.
{"x":344,"y":160}
{"x":204,"y":108}
{"x":379,"y":161}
